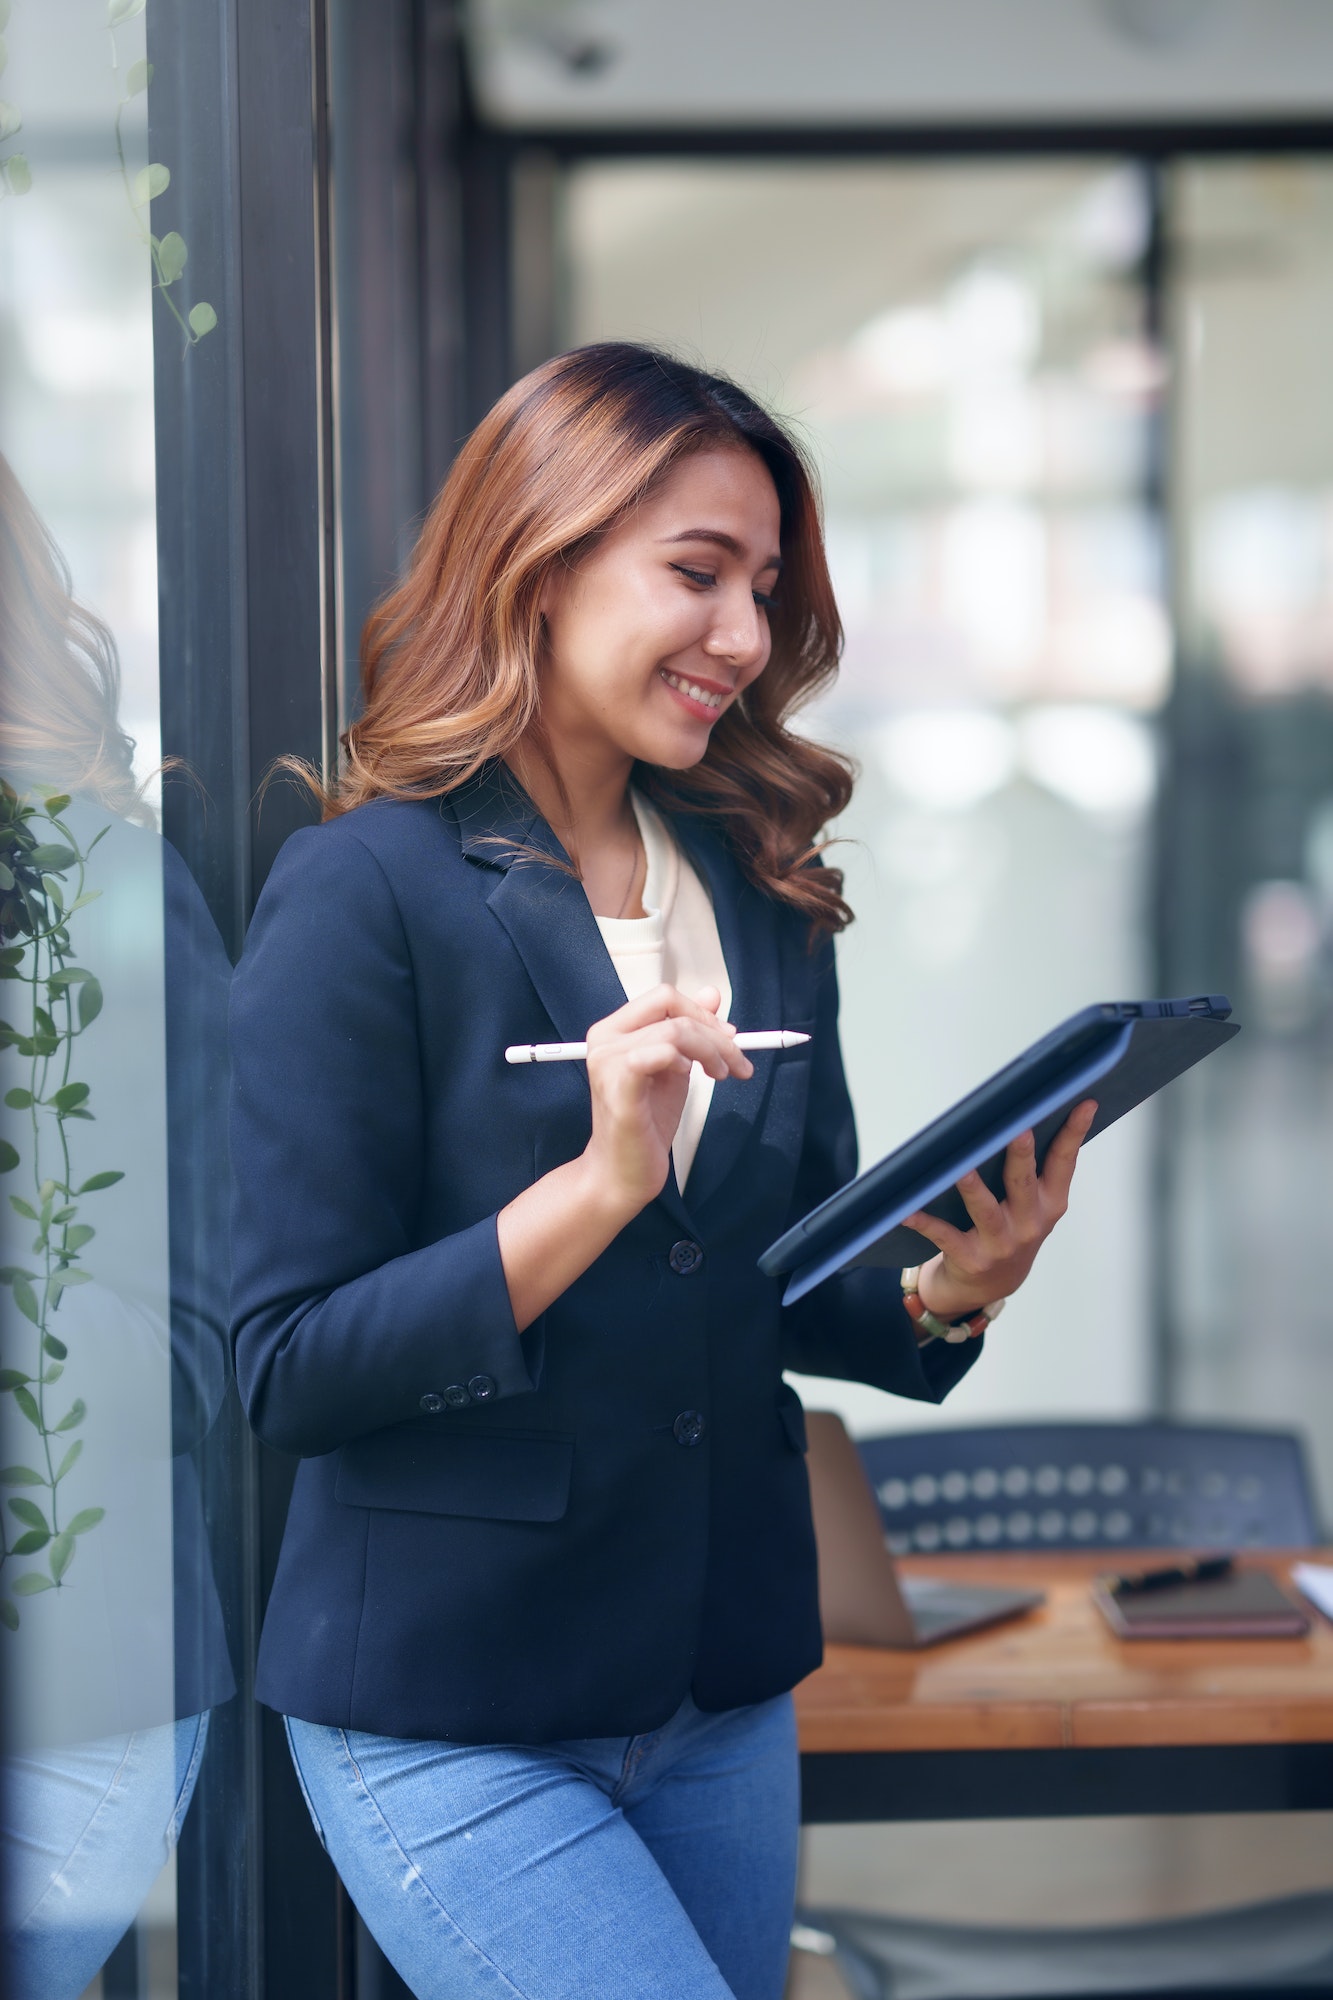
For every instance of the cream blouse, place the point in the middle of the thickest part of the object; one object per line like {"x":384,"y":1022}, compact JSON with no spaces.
{"x":678,"y":942}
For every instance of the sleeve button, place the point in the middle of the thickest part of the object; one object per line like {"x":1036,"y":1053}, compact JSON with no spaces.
{"x":684,"y":1257}
{"x":456,"y":1396}
{"x":481,"y":1388}
{"x":431,"y":1402}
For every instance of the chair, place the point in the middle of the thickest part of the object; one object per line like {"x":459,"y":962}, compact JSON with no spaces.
{"x":1054,"y":1486}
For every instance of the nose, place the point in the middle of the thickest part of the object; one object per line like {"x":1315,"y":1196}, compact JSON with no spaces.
{"x":739,"y":631}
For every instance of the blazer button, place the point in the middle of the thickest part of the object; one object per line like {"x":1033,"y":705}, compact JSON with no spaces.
{"x":689,"y":1427}
{"x":684,"y":1257}
{"x":431,"y":1402}
{"x":456,"y":1396}
{"x":481,"y":1388}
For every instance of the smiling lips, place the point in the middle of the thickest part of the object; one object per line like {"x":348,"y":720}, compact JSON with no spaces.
{"x":707,"y":698}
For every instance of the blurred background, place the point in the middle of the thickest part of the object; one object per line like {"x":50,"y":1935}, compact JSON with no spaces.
{"x":1045,"y":288}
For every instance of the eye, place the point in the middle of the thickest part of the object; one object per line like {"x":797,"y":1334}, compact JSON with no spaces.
{"x":699,"y":576}
{"x":765,"y":600}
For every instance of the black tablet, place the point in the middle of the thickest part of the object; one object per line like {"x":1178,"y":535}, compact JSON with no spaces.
{"x":1120,"y":1052}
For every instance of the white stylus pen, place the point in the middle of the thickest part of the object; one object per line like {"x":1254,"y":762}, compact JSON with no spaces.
{"x":531,"y":1052}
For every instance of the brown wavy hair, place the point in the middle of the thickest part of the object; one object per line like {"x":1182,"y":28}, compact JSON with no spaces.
{"x":59,"y":671}
{"x":451,"y":657}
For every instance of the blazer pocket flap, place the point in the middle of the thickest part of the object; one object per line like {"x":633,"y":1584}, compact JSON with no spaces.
{"x":497,"y":1477}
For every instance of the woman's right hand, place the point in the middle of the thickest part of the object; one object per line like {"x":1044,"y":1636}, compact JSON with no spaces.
{"x":639,"y":1062}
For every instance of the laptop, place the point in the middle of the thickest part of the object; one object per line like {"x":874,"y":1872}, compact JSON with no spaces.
{"x":862,"y":1599}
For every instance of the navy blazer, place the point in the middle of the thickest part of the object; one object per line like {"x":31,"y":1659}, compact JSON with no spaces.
{"x":498,"y":1536}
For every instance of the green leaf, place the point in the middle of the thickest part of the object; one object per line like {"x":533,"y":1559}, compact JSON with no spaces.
{"x":171,"y":256}
{"x":68,"y":1462}
{"x":46,"y":1193}
{"x":12,"y":1378}
{"x":68,"y":1095}
{"x":62,"y":1554}
{"x":202,"y":319}
{"x":6,"y":872}
{"x":22,"y":1207}
{"x":88,"y":896}
{"x":28,"y":1545}
{"x":122,"y":10}
{"x":73,"y":1417}
{"x":105,"y":1180}
{"x":138,"y":77}
{"x":9,"y":1158}
{"x":9,"y":1616}
{"x":86,"y":1518}
{"x":76,"y":1237}
{"x":26,"y":1300}
{"x":29,"y":1585}
{"x":68,"y":975}
{"x":65,"y":1214}
{"x":18,"y":1100}
{"x":62,"y":1280}
{"x":27,"y":1402}
{"x":149,"y":183}
{"x":18,"y":179}
{"x":30,"y":1514}
{"x":55,"y":1348}
{"x":55,"y":803}
{"x":23,"y":1475}
{"x":54,"y":1372}
{"x":52,"y":855}
{"x":11,"y":121}
{"x":90,"y":1002}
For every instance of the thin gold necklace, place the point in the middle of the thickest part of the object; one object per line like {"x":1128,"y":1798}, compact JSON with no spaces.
{"x":633,"y":874}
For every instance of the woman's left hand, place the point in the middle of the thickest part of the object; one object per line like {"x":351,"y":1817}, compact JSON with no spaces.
{"x":991,"y":1260}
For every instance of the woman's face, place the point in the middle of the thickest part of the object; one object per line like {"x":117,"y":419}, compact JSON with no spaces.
{"x":665,"y":623}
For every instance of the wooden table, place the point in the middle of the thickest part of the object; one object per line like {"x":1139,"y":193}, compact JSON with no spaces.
{"x":1052,"y":1715}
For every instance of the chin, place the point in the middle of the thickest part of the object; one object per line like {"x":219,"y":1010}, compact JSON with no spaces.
{"x":679,"y":754}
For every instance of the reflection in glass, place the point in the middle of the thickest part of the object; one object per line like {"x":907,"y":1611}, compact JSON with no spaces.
{"x":112,"y":1314}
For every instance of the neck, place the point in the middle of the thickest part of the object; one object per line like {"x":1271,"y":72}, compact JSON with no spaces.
{"x":584,"y":801}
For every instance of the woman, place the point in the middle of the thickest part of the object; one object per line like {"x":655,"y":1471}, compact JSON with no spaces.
{"x":549,"y":1575}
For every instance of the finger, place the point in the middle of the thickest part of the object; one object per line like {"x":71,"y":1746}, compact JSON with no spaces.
{"x":710,"y":999}
{"x":1020,"y":1172}
{"x":660,"y":1003}
{"x":1058,"y":1170}
{"x":953,"y":1242}
{"x":702,"y":1041}
{"x":979,"y":1202}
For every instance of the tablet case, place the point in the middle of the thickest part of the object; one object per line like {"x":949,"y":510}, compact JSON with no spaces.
{"x":1248,"y":1604}
{"x":1120,"y":1052}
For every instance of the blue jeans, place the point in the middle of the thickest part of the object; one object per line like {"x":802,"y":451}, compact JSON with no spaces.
{"x":86,"y":1831}
{"x":658,"y":1867}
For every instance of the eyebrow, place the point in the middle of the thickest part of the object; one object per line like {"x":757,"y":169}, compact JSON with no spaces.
{"x":721,"y":540}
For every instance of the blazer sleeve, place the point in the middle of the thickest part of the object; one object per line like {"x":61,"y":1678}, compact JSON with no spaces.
{"x":341,"y":1321}
{"x":854,"y":1326}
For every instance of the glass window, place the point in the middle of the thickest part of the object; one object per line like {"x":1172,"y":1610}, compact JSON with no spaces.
{"x":1248,"y":851}
{"x":117,"y":1507}
{"x":964,"y":348}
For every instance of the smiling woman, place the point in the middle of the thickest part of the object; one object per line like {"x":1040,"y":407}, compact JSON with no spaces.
{"x":548,"y":1575}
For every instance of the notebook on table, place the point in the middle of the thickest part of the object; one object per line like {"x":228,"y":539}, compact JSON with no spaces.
{"x":1246,"y":1604}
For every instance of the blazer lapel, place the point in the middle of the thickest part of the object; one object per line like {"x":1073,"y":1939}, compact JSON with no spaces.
{"x":748,"y":933}
{"x":545,"y":912}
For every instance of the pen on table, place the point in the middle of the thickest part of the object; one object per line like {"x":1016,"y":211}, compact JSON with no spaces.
{"x":1206,"y":1569}
{"x":537,"y":1052}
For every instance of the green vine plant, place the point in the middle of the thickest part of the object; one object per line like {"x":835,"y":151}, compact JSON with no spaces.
{"x":15,"y":173}
{"x":169,"y":253}
{"x":43,"y":886}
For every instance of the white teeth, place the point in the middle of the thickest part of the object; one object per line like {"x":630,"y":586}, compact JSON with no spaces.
{"x":703,"y":695}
